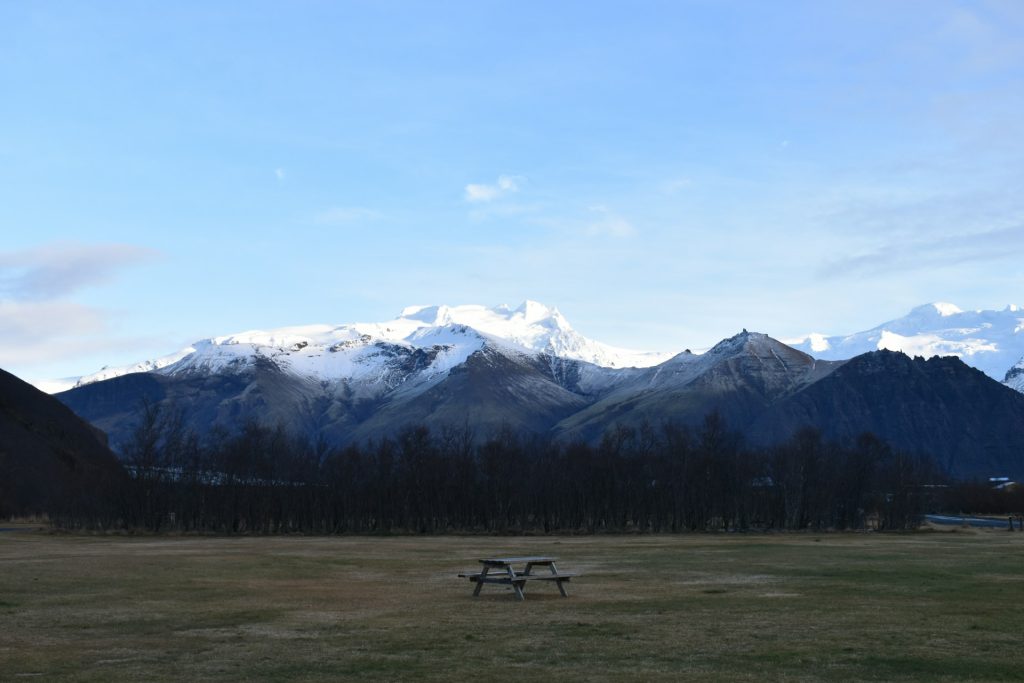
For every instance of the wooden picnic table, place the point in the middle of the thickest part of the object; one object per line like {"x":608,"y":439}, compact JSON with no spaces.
{"x":506,"y":574}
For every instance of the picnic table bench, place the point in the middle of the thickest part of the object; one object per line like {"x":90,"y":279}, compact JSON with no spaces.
{"x":506,"y":574}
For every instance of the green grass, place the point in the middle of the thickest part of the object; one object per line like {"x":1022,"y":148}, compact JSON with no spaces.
{"x":850,"y":607}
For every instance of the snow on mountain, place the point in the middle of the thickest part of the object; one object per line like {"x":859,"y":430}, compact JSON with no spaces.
{"x":424,"y":342}
{"x":427,"y":340}
{"x":991,"y":341}
{"x":535,"y":328}
{"x":109,"y":373}
{"x":55,"y":386}
{"x":1015,"y":376}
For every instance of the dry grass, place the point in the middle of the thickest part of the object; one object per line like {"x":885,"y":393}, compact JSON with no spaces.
{"x":928,"y":606}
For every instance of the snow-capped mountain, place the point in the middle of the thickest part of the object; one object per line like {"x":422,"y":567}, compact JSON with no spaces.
{"x":991,"y":341}
{"x":439,"y":365}
{"x":968,"y":422}
{"x":434,"y":339}
{"x":484,"y":370}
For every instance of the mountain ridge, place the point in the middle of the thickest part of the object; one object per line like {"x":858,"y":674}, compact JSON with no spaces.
{"x":759,"y":385}
{"x":457,"y":331}
{"x":991,"y":340}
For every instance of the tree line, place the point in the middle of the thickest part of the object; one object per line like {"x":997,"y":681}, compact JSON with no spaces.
{"x":669,"y":478}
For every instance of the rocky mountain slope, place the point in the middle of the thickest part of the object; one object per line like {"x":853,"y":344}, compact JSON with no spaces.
{"x":971,"y":425}
{"x":493,"y":386}
{"x":525,"y":366}
{"x":739,"y":377}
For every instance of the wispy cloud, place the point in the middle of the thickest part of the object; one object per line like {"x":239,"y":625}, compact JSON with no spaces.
{"x":675,"y":185}
{"x":38,"y":335}
{"x":58,"y":270}
{"x":915,"y":254}
{"x":339,"y":215}
{"x":988,"y":43}
{"x":39,"y":321}
{"x":20,"y":320}
{"x":891,"y":213}
{"x":279,"y":173}
{"x":38,"y":331}
{"x":608,"y":224}
{"x":505,"y":185}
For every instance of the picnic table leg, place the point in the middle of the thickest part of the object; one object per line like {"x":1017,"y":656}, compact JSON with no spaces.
{"x":560,"y":583}
{"x":517,"y":586}
{"x":480,"y":581}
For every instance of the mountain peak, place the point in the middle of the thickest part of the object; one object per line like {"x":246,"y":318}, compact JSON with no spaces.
{"x":424,"y":313}
{"x":532,"y":311}
{"x":741,"y":340}
{"x":332,"y":351}
{"x":523,"y":325}
{"x":527,"y":313}
{"x":754,"y":344}
{"x":941,"y":308}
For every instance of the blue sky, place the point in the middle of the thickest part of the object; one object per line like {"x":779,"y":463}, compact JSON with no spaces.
{"x":664,"y":173}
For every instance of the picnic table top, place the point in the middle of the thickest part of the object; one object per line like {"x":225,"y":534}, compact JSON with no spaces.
{"x":515,"y":560}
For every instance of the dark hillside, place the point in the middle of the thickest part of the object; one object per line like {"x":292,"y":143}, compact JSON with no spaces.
{"x":260,"y":392}
{"x":970,"y":424}
{"x":50,"y":459}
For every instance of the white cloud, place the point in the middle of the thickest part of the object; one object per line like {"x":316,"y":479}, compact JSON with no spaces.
{"x":37,"y":333}
{"x":486,"y":193}
{"x":609,"y":224}
{"x":338,"y":215}
{"x":39,"y":324}
{"x":279,"y":172}
{"x":24,"y":324}
{"x":56,"y":270}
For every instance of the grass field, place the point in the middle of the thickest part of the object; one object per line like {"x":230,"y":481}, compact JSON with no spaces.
{"x":924,"y":606}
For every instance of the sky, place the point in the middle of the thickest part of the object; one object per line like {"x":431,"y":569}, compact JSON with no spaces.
{"x":665,"y":173}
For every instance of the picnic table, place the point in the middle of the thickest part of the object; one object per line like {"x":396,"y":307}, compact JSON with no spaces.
{"x":504,"y":573}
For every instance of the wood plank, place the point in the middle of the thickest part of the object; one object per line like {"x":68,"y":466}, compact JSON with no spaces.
{"x":506,"y":580}
{"x":518,"y":577}
{"x":547,"y":577}
{"x":504,"y":561}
